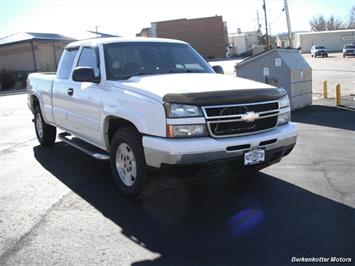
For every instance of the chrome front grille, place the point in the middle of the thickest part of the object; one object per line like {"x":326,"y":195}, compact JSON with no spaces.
{"x":241,"y":119}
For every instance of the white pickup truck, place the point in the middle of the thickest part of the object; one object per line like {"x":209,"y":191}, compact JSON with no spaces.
{"x":148,"y":102}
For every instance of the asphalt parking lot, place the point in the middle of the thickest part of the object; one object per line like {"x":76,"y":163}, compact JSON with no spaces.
{"x":59,"y":206}
{"x":335,"y":69}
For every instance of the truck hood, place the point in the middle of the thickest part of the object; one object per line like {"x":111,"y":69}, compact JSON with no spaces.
{"x":201,"y":88}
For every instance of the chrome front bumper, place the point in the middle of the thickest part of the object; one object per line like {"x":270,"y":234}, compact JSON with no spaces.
{"x":160,"y":151}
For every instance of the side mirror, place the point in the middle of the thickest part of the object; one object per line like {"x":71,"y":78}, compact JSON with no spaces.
{"x":218,"y":69}
{"x":85,"y":74}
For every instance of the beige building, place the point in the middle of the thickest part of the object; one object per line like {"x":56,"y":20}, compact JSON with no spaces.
{"x":282,"y":40}
{"x":32,"y":52}
{"x":242,"y":42}
{"x":333,"y":40}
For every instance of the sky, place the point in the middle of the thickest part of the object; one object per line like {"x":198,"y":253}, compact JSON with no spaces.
{"x":128,"y":17}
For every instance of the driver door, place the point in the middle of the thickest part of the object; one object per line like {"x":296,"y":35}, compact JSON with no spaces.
{"x":85,"y":102}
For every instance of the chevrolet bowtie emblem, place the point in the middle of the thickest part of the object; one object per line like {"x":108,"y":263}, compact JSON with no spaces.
{"x":249,"y":116}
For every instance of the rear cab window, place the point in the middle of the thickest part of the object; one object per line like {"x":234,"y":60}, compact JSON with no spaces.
{"x":67,"y":62}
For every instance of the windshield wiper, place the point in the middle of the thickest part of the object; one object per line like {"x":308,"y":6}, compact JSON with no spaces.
{"x":186,"y":70}
{"x":133,"y":75}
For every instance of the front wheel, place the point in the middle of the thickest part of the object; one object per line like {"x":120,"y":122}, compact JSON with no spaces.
{"x":45,"y":133}
{"x":128,"y":163}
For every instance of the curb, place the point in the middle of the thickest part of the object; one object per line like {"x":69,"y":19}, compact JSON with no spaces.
{"x":12,"y":92}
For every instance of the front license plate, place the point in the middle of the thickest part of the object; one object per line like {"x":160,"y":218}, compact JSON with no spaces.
{"x":254,"y":156}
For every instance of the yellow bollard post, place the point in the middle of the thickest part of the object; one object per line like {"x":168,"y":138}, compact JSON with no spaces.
{"x":325,"y":89}
{"x":338,"y":94}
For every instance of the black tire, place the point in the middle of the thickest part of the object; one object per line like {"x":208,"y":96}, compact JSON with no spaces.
{"x":48,"y":134}
{"x":130,"y":141}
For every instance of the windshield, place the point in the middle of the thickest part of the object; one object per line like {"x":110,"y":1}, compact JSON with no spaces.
{"x":320,"y":47}
{"x":350,"y":46}
{"x":124,"y":60}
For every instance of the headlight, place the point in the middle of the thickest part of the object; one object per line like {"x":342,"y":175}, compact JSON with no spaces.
{"x":176,"y":131}
{"x":283,"y":118}
{"x":174,"y":110}
{"x":284,"y":101}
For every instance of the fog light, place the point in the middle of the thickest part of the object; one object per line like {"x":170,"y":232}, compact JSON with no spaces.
{"x":284,"y":118}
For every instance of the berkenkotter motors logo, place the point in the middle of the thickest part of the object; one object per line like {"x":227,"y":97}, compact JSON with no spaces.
{"x":320,"y":260}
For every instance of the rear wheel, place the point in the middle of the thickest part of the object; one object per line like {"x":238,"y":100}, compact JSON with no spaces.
{"x":45,"y":133}
{"x":128,"y":163}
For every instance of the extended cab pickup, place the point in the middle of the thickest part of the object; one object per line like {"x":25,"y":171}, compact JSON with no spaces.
{"x":149,"y":102}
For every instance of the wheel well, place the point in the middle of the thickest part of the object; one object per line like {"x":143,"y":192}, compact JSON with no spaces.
{"x":35,"y":102}
{"x":114,"y":124}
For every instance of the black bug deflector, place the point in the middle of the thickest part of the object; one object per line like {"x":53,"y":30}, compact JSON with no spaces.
{"x":226,"y":97}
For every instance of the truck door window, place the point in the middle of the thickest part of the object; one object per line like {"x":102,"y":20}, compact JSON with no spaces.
{"x":67,"y":63}
{"x":89,"y":58}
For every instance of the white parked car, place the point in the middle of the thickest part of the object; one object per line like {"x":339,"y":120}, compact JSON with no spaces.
{"x":319,"y":50}
{"x":156,"y":102}
{"x":349,"y":49}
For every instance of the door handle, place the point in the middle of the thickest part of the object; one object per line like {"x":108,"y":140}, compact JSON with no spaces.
{"x":70,"y":91}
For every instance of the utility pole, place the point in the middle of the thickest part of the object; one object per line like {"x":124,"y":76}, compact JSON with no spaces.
{"x":257,"y":17}
{"x":266,"y":25}
{"x":258,"y":21}
{"x":258,"y":26}
{"x":97,"y":34}
{"x":288,"y":23}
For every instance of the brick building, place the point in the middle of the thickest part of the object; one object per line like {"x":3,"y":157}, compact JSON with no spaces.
{"x":207,"y":35}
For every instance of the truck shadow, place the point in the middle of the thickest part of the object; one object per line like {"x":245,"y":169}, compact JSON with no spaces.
{"x":328,"y":116}
{"x":253,"y":220}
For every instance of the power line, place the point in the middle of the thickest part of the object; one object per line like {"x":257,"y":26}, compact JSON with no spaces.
{"x":278,"y":16}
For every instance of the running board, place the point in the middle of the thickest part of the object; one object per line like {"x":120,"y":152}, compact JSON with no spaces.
{"x":83,"y":146}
